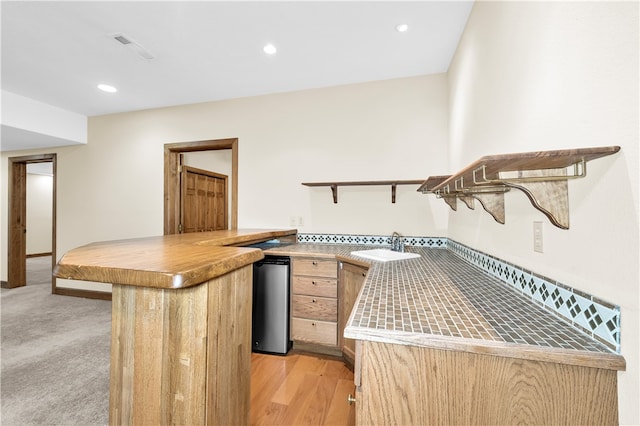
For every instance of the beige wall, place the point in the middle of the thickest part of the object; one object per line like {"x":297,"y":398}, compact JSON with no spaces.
{"x":39,"y":213}
{"x":112,"y":188}
{"x":539,"y":76}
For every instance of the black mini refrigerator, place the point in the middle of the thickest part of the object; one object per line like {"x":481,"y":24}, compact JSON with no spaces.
{"x":271,"y":289}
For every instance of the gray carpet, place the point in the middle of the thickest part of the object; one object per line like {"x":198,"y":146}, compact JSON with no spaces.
{"x":54,"y":354}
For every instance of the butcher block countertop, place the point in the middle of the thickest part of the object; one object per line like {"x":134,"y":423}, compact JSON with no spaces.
{"x":170,"y":261}
{"x":440,"y":301}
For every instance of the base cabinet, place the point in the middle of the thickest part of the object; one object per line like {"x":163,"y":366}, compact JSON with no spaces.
{"x":314,"y":303}
{"x":177,"y":353}
{"x":408,"y":385}
{"x":350,"y":280}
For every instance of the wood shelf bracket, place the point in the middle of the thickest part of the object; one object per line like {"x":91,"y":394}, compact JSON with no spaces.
{"x":468,"y":200}
{"x":334,"y":192}
{"x":551,"y":198}
{"x":452,"y":202}
{"x":492,"y":203}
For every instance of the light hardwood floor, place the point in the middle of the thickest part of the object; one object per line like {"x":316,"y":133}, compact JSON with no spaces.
{"x":300,"y":389}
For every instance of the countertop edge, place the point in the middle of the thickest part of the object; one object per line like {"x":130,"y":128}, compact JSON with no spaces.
{"x":254,"y":235}
{"x":609,"y":361}
{"x":157,"y":279}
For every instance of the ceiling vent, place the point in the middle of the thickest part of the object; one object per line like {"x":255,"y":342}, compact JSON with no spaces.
{"x":122,"y":39}
{"x":127,"y":41}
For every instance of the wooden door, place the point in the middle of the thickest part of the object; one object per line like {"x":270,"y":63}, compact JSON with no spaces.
{"x":17,"y":250}
{"x":203,"y":200}
{"x":17,"y":220}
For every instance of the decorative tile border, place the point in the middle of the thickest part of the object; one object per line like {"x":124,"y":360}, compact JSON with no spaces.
{"x":597,"y":318}
{"x":371,"y":240}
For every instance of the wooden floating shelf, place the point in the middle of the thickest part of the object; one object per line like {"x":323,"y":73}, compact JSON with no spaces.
{"x":541,"y":175}
{"x":334,"y":185}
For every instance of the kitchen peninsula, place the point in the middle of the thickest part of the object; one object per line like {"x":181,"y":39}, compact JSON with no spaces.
{"x":441,"y":342}
{"x":181,"y":323}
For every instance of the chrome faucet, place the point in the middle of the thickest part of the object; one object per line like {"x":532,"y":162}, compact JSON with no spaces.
{"x":397,"y":242}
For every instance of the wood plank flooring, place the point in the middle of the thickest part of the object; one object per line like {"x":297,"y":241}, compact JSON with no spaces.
{"x":300,"y":389}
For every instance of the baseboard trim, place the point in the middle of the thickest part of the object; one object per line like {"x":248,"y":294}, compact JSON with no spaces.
{"x":4,"y":284}
{"x":87,"y":294}
{"x":317,"y":349}
{"x":39,"y":255}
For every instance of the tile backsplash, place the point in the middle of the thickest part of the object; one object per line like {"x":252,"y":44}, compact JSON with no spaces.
{"x":372,"y":240}
{"x":595,"y":317}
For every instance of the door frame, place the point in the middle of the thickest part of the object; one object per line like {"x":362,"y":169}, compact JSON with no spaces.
{"x":17,"y":210}
{"x":172,"y":153}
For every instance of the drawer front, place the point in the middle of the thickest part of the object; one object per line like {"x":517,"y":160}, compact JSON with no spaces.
{"x":316,"y":267}
{"x":312,"y":307}
{"x":325,"y":287}
{"x":321,"y":332}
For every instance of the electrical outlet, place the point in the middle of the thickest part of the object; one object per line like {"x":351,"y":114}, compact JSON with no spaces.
{"x":292,"y":221}
{"x":300,"y":221}
{"x":537,"y":237}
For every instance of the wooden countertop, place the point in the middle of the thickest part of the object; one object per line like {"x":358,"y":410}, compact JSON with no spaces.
{"x":171,"y":261}
{"x":441,"y":301}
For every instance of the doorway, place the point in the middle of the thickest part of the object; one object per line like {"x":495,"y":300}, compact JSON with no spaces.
{"x":172,"y":181}
{"x":17,"y":218}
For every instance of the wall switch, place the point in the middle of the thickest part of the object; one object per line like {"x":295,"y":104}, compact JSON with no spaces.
{"x":300,"y":221}
{"x":292,"y":221}
{"x":537,"y":237}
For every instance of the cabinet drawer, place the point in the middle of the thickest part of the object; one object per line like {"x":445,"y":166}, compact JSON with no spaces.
{"x":313,"y":286}
{"x":315,"y":267}
{"x":312,"y":307}
{"x":321,"y":332}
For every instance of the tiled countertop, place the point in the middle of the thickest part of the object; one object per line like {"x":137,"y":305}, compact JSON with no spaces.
{"x":441,"y":301}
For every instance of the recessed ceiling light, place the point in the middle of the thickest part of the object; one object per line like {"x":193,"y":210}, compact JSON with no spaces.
{"x":269,"y":49}
{"x":107,"y":88}
{"x":401,"y":28}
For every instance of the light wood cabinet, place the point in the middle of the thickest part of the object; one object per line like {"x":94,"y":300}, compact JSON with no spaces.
{"x":314,"y":303}
{"x":400,"y":384}
{"x":175,"y":353}
{"x":350,"y":280}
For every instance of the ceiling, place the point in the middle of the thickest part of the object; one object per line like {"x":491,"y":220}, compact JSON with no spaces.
{"x":57,"y":52}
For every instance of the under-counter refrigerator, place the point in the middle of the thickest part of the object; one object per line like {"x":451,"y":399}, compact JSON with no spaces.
{"x":271,"y":289}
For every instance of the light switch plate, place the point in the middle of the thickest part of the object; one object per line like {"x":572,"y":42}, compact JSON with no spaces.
{"x":537,"y":237}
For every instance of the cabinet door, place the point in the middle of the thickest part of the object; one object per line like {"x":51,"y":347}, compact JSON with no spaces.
{"x":351,"y":278}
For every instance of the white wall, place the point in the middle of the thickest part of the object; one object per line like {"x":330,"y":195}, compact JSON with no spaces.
{"x":112,"y":188}
{"x":531,"y":76}
{"x":39,"y":213}
{"x":27,"y":123}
